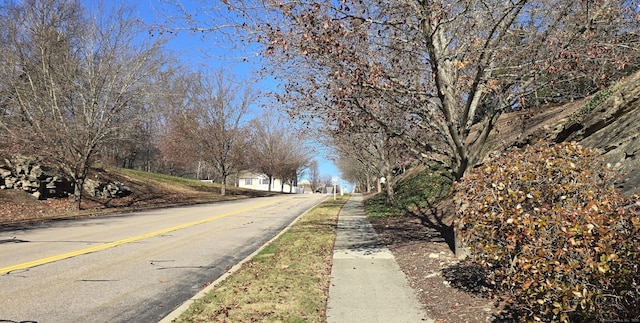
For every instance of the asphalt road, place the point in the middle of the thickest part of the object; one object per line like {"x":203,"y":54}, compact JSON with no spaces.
{"x":134,"y":267}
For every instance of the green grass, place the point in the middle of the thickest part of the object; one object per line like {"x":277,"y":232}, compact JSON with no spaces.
{"x":186,"y":184}
{"x":171,"y":180}
{"x":286,"y":282}
{"x":415,"y":192}
{"x":590,"y":106}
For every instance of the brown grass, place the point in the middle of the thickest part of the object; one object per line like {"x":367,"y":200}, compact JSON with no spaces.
{"x":150,"y":190}
{"x":286,"y":282}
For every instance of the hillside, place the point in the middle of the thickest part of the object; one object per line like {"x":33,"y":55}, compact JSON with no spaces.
{"x":421,"y":241}
{"x":608,"y":121}
{"x":148,"y":190}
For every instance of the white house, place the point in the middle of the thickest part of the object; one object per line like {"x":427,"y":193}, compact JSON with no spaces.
{"x":260,"y":182}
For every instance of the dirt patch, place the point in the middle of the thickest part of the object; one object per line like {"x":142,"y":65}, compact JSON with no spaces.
{"x":449,"y":291}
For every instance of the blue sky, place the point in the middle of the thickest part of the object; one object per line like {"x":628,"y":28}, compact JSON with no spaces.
{"x":206,"y":50}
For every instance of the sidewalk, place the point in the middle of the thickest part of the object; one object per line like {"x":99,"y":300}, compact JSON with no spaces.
{"x":367,"y":284}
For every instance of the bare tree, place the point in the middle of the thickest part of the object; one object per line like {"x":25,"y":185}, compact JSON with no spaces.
{"x":72,"y":80}
{"x":175,"y":96}
{"x":295,"y":160}
{"x":221,"y":107}
{"x":277,"y":149}
{"x":372,"y":153}
{"x":137,"y":145}
{"x":355,"y":171}
{"x":265,"y":142}
{"x":445,"y":70}
{"x":205,"y":116}
{"x":314,"y":175}
{"x":178,"y":149}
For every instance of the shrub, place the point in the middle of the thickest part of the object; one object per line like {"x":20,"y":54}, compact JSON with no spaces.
{"x":558,"y":241}
{"x":595,"y":102}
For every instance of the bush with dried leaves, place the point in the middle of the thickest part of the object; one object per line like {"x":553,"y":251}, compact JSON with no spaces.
{"x":558,"y":241}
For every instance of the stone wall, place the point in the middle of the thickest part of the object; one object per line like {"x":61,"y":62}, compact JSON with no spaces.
{"x":30,"y":175}
{"x":99,"y":188}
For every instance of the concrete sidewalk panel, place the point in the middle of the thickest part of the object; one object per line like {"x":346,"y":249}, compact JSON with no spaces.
{"x":367,"y":285}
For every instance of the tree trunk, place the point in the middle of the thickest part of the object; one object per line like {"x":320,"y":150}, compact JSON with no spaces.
{"x":389,"y":187}
{"x":223,"y":186}
{"x":77,"y":193}
{"x":460,"y":167}
{"x":80,"y":177}
{"x":198,"y":170}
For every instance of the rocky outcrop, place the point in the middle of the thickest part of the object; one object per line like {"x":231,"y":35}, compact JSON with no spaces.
{"x":99,"y":188}
{"x":30,"y":175}
{"x":609,"y":121}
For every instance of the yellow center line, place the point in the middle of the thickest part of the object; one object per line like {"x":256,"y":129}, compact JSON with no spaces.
{"x":43,"y":261}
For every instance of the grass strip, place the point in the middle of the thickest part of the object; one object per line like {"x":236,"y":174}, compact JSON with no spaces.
{"x":417,"y":191}
{"x":287,"y":281}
